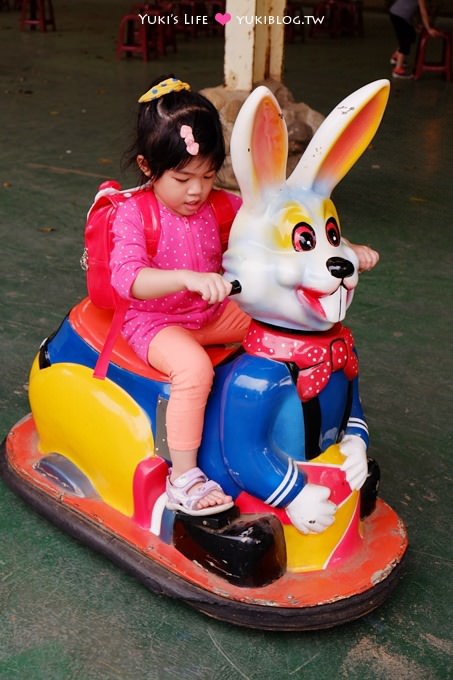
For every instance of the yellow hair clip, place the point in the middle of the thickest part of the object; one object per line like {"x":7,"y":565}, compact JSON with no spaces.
{"x":166,"y":86}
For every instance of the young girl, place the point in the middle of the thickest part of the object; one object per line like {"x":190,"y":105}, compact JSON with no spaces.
{"x":178,"y":299}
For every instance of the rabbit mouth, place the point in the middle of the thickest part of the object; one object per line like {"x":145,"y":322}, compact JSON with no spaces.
{"x":329,"y":306}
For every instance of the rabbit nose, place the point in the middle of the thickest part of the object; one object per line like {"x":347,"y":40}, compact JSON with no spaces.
{"x":339,"y":267}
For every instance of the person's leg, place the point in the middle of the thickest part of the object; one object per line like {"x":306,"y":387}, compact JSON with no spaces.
{"x":405,"y":34}
{"x":177,"y":353}
{"x":230,"y":327}
{"x":394,"y":56}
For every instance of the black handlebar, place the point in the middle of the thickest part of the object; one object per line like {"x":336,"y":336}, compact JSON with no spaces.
{"x":236,"y":287}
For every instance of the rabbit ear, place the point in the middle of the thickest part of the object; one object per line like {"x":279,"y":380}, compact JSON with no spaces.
{"x":341,"y":139}
{"x":259,"y":146}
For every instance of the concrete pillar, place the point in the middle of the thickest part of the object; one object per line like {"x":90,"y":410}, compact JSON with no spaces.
{"x":253,"y":50}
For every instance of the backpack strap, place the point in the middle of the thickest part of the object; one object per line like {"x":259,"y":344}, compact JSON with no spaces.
{"x":149,"y":210}
{"x":224,"y":213}
{"x":221,"y":206}
{"x":102,"y":364}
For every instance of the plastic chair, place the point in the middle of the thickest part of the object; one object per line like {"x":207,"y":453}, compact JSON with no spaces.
{"x":144,"y":34}
{"x":191,"y":11}
{"x":338,"y":17}
{"x":37,"y":14}
{"x":441,"y":66}
{"x":132,"y":37}
{"x":294,"y":29}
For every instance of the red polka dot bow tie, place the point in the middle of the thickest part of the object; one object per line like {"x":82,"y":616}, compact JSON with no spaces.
{"x":316,"y":355}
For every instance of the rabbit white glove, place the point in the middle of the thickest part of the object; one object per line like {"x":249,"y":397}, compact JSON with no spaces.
{"x":311,"y":511}
{"x":356,"y":465}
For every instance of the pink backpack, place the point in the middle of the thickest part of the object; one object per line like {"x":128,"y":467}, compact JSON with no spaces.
{"x":95,"y":260}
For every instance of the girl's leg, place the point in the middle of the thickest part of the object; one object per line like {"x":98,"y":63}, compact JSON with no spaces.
{"x":179,"y":353}
{"x":232,"y":326}
{"x":176,"y":352}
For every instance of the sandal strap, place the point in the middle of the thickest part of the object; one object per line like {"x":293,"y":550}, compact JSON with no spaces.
{"x":191,"y":500}
{"x":178,"y":490}
{"x":187,"y":480}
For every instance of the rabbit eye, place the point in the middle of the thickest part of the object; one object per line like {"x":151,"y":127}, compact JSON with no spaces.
{"x":333,"y":232}
{"x":304,"y":237}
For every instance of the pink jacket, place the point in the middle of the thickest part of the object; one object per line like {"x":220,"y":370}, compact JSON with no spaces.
{"x":184,"y":243}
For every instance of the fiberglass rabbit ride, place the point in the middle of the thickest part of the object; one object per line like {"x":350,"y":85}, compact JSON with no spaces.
{"x":308,"y":544}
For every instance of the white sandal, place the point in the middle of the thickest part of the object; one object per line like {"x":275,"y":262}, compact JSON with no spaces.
{"x":180,"y":499}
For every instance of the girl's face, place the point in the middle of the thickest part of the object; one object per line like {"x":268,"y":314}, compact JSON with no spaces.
{"x":184,"y":191}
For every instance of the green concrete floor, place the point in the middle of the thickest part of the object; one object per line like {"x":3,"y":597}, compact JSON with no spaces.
{"x":66,"y":112}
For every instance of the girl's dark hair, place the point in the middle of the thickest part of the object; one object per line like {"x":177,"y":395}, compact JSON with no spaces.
{"x":158,"y":136}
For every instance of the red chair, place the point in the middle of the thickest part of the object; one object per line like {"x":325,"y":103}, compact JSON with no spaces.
{"x":132,"y":37}
{"x":321,"y":18}
{"x":190,"y":13}
{"x":37,"y":14}
{"x":441,"y":66}
{"x":141,"y":32}
{"x":166,"y":33}
{"x":338,"y":17}
{"x":213,"y":7}
{"x":296,"y":27}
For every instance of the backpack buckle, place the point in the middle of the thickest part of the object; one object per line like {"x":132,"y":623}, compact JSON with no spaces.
{"x":84,"y":260}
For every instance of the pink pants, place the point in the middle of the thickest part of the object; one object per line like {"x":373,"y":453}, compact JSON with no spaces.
{"x":179,"y":353}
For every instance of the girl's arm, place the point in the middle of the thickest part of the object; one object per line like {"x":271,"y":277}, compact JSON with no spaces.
{"x":368,"y":257}
{"x":154,"y":283}
{"x":133,"y":278}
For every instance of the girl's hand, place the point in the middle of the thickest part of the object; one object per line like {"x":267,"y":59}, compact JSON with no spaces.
{"x":368,"y":258}
{"x":212,"y":287}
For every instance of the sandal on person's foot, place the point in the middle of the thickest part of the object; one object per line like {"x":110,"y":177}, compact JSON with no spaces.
{"x":179,"y":497}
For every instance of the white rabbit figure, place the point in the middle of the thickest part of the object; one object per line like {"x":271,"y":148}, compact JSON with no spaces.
{"x":296,"y":272}
{"x":285,"y":246}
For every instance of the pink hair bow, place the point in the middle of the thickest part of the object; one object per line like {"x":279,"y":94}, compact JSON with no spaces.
{"x":191,"y":145}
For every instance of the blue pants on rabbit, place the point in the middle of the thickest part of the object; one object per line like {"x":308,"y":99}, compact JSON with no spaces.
{"x":265,"y":428}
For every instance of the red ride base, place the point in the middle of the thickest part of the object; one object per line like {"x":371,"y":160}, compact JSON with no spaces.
{"x":305,"y":601}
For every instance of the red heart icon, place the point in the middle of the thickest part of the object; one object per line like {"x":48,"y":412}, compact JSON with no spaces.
{"x":223,"y":18}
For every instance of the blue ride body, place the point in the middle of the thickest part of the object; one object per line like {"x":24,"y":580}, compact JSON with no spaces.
{"x":256,"y":427}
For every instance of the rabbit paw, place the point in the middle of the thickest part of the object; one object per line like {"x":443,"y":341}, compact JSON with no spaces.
{"x":356,"y":464}
{"x":311,"y":511}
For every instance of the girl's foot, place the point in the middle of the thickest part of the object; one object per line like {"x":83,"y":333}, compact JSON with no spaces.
{"x":194,"y":494}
